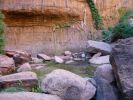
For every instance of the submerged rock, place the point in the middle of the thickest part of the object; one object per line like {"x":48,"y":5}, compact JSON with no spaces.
{"x":122,"y":63}
{"x":68,"y":86}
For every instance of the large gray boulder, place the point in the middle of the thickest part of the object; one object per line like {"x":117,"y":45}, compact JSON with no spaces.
{"x":122,"y":63}
{"x":68,"y":86}
{"x":26,"y":80}
{"x":100,"y":60}
{"x":7,"y":65}
{"x":105,"y":90}
{"x":96,"y":46}
{"x":105,"y":71}
{"x":27,"y":96}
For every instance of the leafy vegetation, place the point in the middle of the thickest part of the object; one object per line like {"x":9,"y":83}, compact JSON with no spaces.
{"x":95,"y":15}
{"x":36,"y":89}
{"x":1,"y":32}
{"x":121,"y":31}
{"x":20,"y":89}
{"x":14,"y":89}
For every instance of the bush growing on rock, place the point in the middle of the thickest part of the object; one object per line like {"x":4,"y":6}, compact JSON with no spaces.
{"x":1,"y":32}
{"x":122,"y":30}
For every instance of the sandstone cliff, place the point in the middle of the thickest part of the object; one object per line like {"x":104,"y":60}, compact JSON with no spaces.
{"x":55,"y":25}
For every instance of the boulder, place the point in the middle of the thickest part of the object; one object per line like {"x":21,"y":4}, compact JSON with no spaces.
{"x":25,"y":67}
{"x":36,"y":60}
{"x":105,"y":71}
{"x":21,"y":57}
{"x":44,"y":57}
{"x":27,"y":96}
{"x":97,"y":55}
{"x":26,"y":80}
{"x":100,"y":60}
{"x":91,"y":80}
{"x":67,"y":85}
{"x":96,"y":46}
{"x":67,"y":53}
{"x":7,"y":65}
{"x":69,"y":62}
{"x":122,"y":62}
{"x":59,"y":60}
{"x":105,"y":90}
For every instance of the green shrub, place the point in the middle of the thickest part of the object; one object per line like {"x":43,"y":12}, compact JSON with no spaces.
{"x":106,"y":35}
{"x":14,"y":89}
{"x":126,"y":16}
{"x":1,"y":32}
{"x":36,"y":89}
{"x":95,"y":14}
{"x":121,"y":31}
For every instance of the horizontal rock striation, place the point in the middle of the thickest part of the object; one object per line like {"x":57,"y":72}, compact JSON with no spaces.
{"x":55,"y":25}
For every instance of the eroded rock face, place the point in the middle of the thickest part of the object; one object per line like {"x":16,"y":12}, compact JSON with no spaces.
{"x":68,"y":86}
{"x":122,"y":63}
{"x":54,"y":25}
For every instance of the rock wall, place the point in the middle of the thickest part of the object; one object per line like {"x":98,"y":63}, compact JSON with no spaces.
{"x":52,"y":26}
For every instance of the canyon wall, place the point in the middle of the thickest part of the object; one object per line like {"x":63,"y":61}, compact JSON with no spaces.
{"x":52,"y":26}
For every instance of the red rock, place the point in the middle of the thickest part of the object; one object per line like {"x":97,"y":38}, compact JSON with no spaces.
{"x":7,"y":65}
{"x":26,"y":80}
{"x":19,"y":57}
{"x":42,"y":25}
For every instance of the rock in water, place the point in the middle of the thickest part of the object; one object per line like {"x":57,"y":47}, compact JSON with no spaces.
{"x":25,"y":67}
{"x":122,"y":63}
{"x":95,"y":47}
{"x":44,"y":57}
{"x":67,"y":53}
{"x":27,"y":96}
{"x":68,"y":86}
{"x":105,"y":71}
{"x":26,"y":80}
{"x":7,"y":65}
{"x":59,"y":60}
{"x":36,"y":60}
{"x":100,"y":60}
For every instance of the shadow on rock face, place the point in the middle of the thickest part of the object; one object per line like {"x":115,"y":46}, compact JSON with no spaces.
{"x":72,"y":93}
